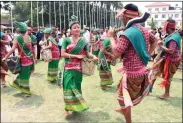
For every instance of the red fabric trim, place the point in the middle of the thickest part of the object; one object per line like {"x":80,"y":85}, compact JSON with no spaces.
{"x":131,"y":12}
{"x":166,"y":72}
{"x":127,"y":13}
{"x":171,"y":25}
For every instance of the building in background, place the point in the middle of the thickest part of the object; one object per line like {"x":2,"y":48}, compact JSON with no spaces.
{"x":160,"y":12}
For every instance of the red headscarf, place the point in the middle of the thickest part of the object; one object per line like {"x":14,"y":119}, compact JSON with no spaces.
{"x":128,"y":13}
{"x":168,"y":25}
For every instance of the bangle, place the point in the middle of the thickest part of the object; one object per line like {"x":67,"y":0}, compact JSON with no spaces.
{"x":69,"y":56}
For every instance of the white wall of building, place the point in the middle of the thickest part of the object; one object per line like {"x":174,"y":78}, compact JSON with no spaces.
{"x":161,"y":14}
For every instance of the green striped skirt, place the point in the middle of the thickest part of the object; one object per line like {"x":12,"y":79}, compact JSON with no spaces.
{"x":105,"y":76}
{"x":21,"y":82}
{"x":72,"y":91}
{"x":52,"y":70}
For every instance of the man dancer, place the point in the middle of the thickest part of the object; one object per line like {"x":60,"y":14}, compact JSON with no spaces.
{"x":135,"y":46}
{"x":168,"y":61}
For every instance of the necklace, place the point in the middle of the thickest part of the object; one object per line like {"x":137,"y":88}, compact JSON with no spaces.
{"x":74,"y":40}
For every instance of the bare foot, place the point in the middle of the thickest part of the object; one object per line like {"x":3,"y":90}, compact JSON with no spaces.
{"x":164,"y":96}
{"x":105,"y":87}
{"x":66,"y":112}
{"x":119,"y":110}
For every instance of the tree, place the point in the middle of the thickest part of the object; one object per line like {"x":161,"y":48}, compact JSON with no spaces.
{"x":170,"y":18}
{"x":152,"y":24}
{"x":22,"y":12}
{"x":5,"y":16}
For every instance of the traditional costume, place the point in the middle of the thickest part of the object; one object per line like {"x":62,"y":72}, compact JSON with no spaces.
{"x":72,"y":77}
{"x":133,"y":45}
{"x":104,"y":65}
{"x":166,"y":64}
{"x":25,"y":51}
{"x":53,"y":64}
{"x":95,"y":43}
{"x":3,"y":66}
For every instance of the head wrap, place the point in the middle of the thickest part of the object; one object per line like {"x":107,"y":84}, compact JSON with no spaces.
{"x":74,"y":20}
{"x":48,"y":30}
{"x":22,"y":27}
{"x":168,"y":25}
{"x":128,"y":13}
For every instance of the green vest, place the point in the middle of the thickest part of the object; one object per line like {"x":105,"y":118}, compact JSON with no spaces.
{"x":135,"y":36}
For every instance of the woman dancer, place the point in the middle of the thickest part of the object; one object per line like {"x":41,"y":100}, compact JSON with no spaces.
{"x":24,"y":44}
{"x":53,"y":64}
{"x":73,"y":50}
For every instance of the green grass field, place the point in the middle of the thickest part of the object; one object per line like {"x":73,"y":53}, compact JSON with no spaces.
{"x":46,"y":104}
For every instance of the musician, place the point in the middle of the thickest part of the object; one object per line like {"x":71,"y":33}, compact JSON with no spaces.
{"x":51,"y":44}
{"x":24,"y":44}
{"x":170,"y":57}
{"x":135,"y":46}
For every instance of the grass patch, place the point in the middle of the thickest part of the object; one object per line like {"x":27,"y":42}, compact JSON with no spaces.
{"x":47,"y":105}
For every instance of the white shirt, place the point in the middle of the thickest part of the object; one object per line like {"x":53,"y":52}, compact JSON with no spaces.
{"x":60,"y":41}
{"x":15,"y":35}
{"x":86,"y":35}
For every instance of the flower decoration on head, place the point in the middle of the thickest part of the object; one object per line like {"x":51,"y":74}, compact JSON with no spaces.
{"x":26,"y":21}
{"x":74,"y":20}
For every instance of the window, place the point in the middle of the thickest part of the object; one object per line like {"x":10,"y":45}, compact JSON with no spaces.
{"x":156,"y":16}
{"x":176,"y":15}
{"x":156,"y":9}
{"x":164,"y":9}
{"x":163,"y":16}
{"x":149,"y":9}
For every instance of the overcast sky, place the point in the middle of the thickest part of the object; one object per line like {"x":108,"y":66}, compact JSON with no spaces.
{"x":141,"y":5}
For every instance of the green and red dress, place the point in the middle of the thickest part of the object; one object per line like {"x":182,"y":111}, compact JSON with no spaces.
{"x":72,"y":77}
{"x":104,"y":66}
{"x":53,"y":65}
{"x":25,"y":51}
